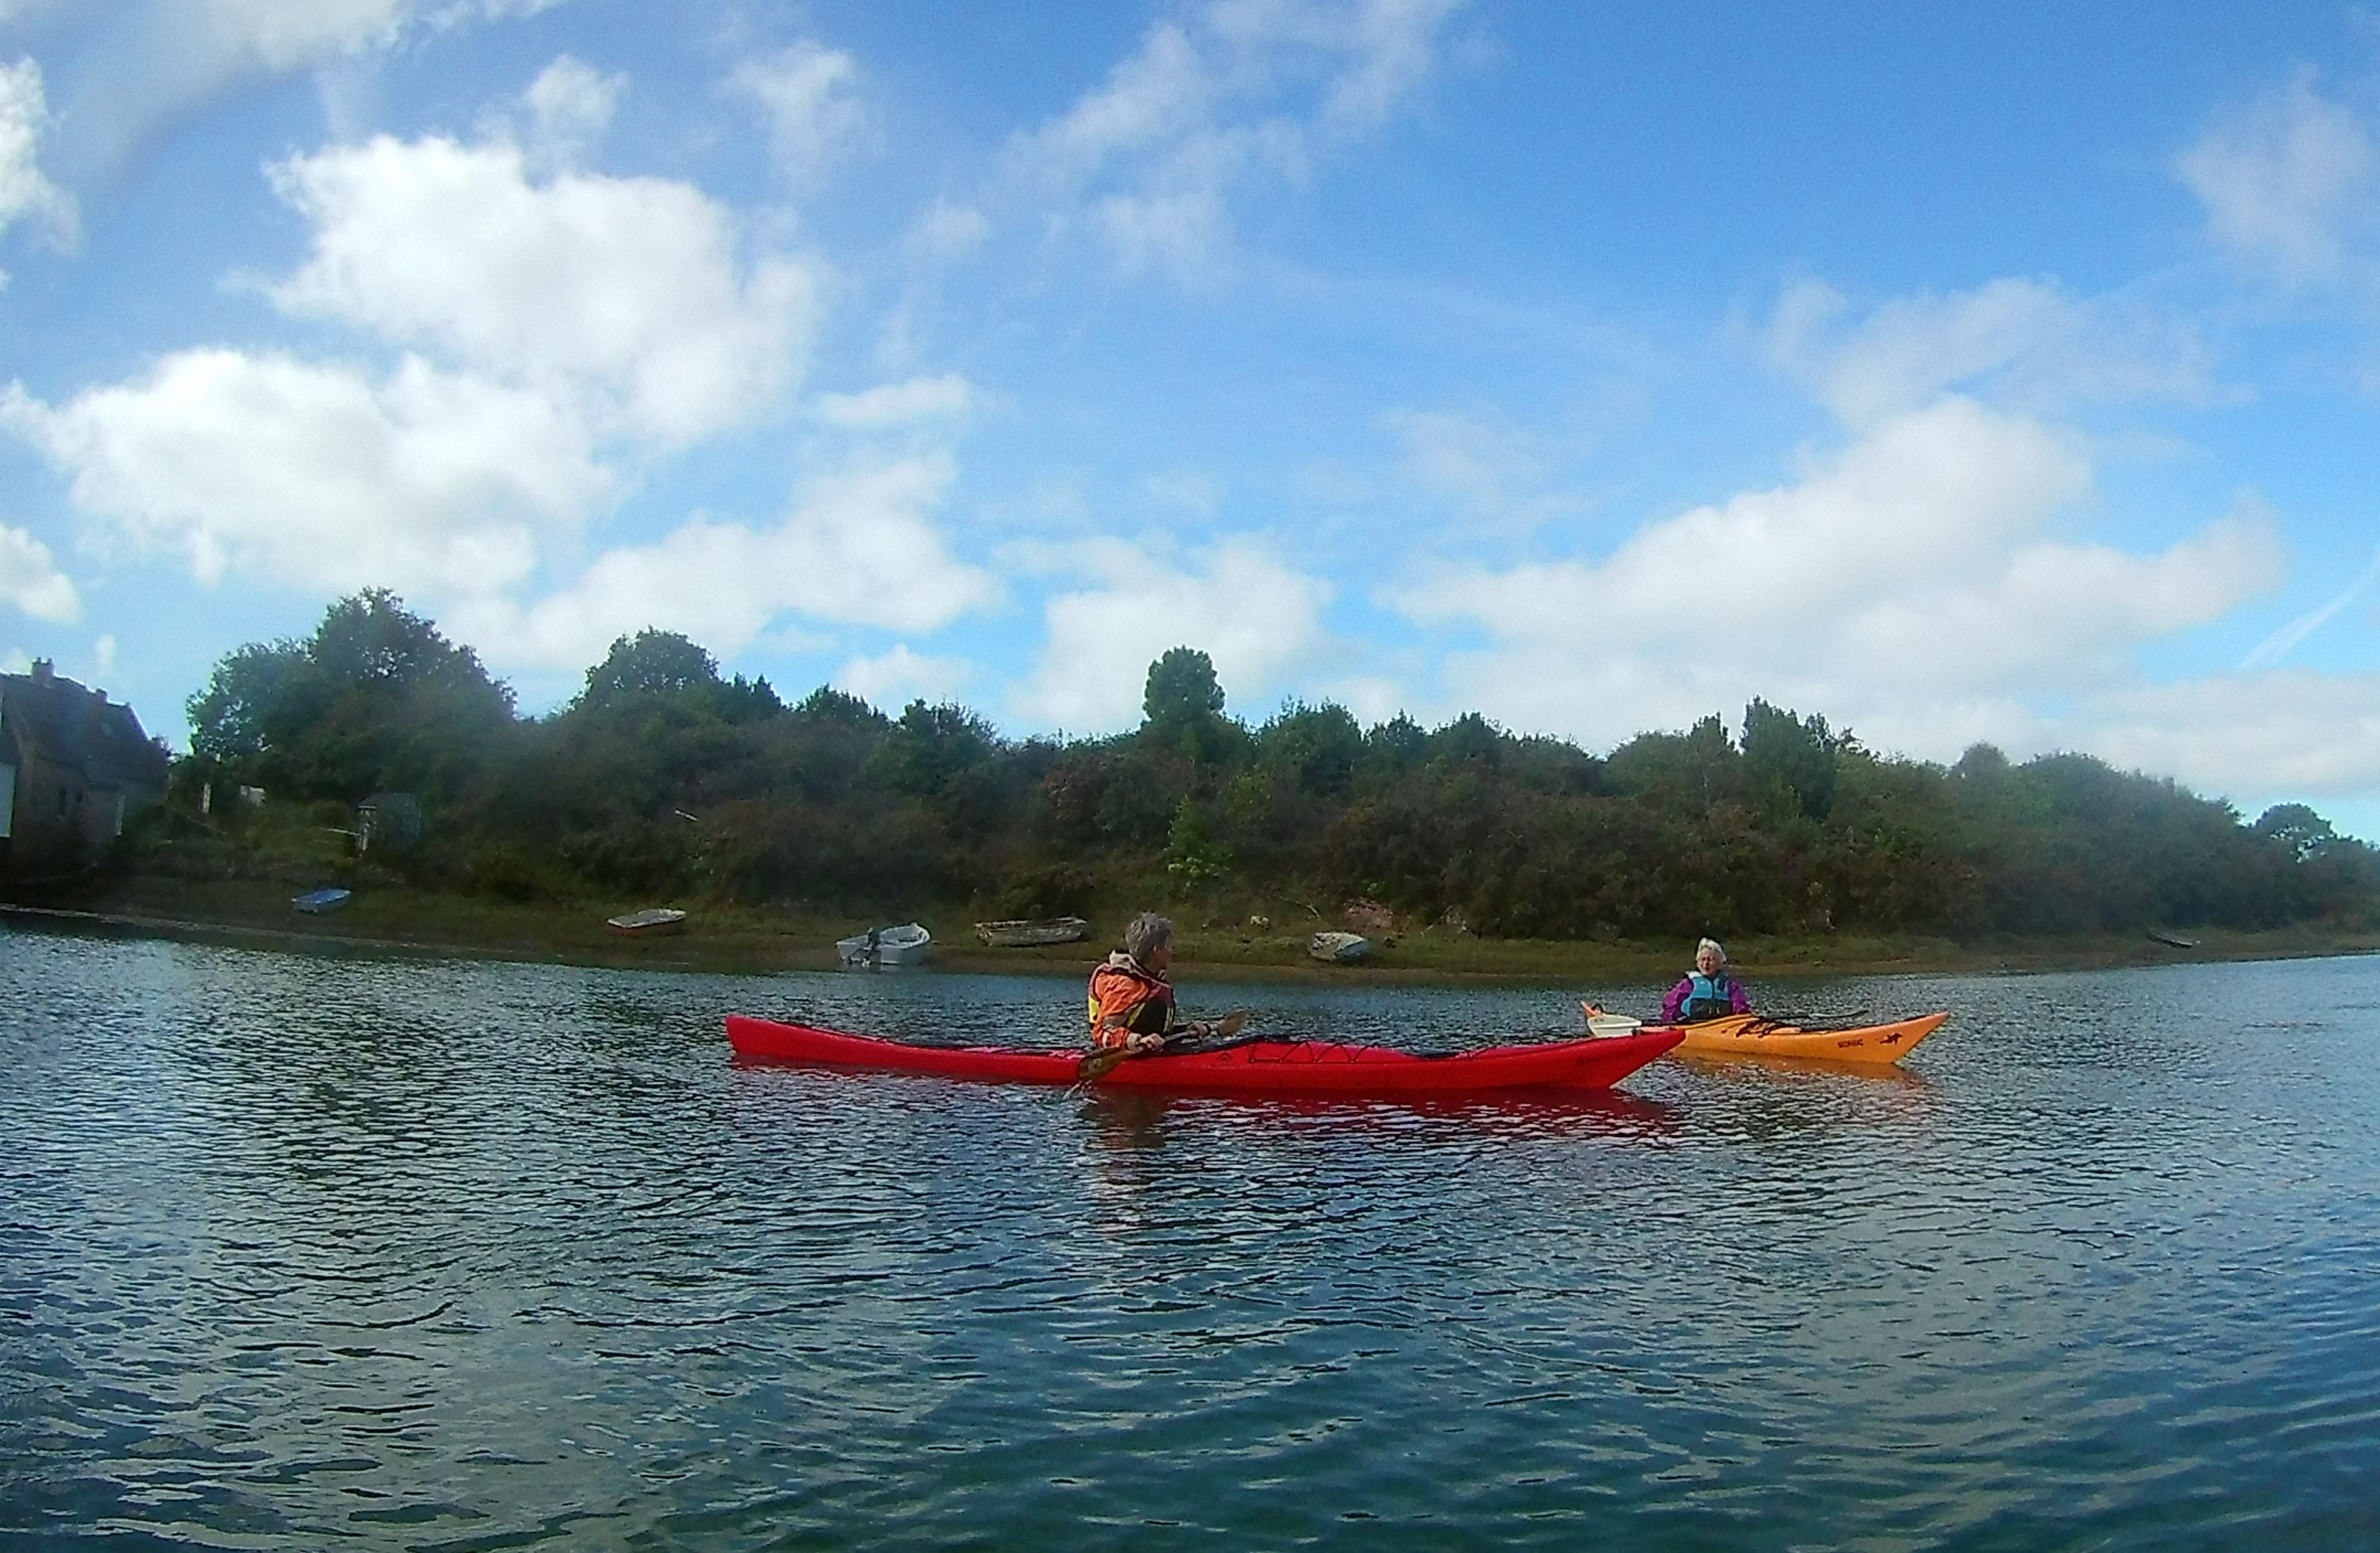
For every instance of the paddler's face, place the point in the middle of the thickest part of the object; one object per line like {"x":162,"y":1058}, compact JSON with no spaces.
{"x":1707,"y":961}
{"x":1159,"y":959}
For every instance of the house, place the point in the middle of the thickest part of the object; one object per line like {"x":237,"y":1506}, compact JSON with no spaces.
{"x":74,"y":768}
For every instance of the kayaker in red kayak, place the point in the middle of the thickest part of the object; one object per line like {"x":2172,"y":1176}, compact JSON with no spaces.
{"x":1132,"y":1002}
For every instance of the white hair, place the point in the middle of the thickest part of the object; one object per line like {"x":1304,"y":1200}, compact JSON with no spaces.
{"x":1714,"y":945}
{"x":1147,"y":933}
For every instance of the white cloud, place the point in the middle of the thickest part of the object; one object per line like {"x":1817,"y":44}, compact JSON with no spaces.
{"x":805,"y":97}
{"x":889,"y":680}
{"x":1909,"y":588}
{"x":32,"y":581}
{"x":570,"y":106}
{"x":293,"y":34}
{"x":2025,"y":343}
{"x":319,"y":475}
{"x":858,"y":549}
{"x":24,"y":193}
{"x":1153,"y":157}
{"x":948,"y":397}
{"x":2287,"y":183}
{"x":283,"y":35}
{"x":2259,"y":736}
{"x":1256,"y":618}
{"x":1191,"y":491}
{"x":626,"y":290}
{"x":948,"y":230}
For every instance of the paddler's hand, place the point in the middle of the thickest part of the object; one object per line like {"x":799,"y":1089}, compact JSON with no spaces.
{"x":1144,"y":1044}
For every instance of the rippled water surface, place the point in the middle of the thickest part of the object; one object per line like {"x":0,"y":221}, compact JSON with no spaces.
{"x":300,"y":1251}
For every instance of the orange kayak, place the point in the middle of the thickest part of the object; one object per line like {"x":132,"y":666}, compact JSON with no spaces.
{"x":1750,"y":1036}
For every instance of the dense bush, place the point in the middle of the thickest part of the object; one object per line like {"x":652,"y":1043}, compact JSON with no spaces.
{"x":661,"y":778}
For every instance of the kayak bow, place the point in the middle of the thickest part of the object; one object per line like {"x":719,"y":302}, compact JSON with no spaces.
{"x":1254,"y":1067}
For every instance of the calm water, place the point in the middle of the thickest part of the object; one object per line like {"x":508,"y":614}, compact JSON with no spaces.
{"x":455,"y":1255}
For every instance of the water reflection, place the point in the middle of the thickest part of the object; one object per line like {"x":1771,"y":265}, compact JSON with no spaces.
{"x":446,"y":1255}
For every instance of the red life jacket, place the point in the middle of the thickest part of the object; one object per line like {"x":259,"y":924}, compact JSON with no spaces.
{"x":1127,"y":1001}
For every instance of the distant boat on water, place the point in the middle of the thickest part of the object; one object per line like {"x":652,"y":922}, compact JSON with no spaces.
{"x":651,"y":922}
{"x":1024,"y":934}
{"x":316,"y":902}
{"x":1337,"y":949}
{"x":2172,"y":940}
{"x":906,"y":944}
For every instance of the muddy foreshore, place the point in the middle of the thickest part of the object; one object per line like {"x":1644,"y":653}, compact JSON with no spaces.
{"x":751,"y":940}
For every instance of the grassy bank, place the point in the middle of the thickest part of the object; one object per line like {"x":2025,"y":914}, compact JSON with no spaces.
{"x":757,"y":940}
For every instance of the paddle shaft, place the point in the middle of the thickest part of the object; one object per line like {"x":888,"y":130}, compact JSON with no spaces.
{"x":1100,"y":1064}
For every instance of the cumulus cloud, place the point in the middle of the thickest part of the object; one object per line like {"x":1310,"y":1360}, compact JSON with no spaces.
{"x":168,"y":58}
{"x":2289,"y":184}
{"x":1258,"y":620}
{"x":805,"y":97}
{"x":858,"y":549}
{"x":570,"y":106}
{"x":2284,"y":732}
{"x":2024,"y":344}
{"x":946,"y":230}
{"x":24,"y":193}
{"x":1910,"y":586}
{"x":321,"y":475}
{"x":626,"y":290}
{"x":283,"y":36}
{"x":889,"y":680}
{"x":891,"y":405}
{"x":32,"y":581}
{"x":1208,"y":104}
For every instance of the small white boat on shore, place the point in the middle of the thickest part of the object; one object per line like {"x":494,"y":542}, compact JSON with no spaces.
{"x":1338,"y":948}
{"x":651,"y":922}
{"x":1023,"y":934}
{"x":906,"y":944}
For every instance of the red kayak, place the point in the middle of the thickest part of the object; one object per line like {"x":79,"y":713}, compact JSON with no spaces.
{"x":1254,"y":1067}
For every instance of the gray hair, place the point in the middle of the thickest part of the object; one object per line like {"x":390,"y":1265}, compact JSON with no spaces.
{"x":1147,"y":933}
{"x":1714,"y":945}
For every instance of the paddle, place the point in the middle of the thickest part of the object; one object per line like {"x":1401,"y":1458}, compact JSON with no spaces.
{"x":1100,"y":1064}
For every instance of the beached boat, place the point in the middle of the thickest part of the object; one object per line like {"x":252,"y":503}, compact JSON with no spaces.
{"x":316,"y":902}
{"x":2172,"y":940}
{"x":1750,"y":1036}
{"x":906,"y":944}
{"x":1024,"y":935}
{"x":1246,"y":1067}
{"x":651,"y":922}
{"x":1337,"y":949}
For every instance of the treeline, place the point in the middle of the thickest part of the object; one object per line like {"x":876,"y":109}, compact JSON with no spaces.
{"x":666,"y":780}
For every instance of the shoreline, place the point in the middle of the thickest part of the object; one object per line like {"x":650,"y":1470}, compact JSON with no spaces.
{"x":746,"y":940}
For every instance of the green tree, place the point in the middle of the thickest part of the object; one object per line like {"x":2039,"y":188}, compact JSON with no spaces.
{"x":1790,"y":758}
{"x":650,"y":663}
{"x":1182,"y":708}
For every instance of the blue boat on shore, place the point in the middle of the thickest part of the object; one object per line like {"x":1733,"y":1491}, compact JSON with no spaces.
{"x":319,"y":901}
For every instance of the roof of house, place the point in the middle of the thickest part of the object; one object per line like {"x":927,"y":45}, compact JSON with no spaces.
{"x":72,"y":724}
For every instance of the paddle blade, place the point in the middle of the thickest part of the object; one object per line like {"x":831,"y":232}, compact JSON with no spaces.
{"x":1100,"y":1064}
{"x":1601,"y":1023}
{"x":1231,"y":1024}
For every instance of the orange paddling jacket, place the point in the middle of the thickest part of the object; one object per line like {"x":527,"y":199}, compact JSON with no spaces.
{"x":1127,"y":999}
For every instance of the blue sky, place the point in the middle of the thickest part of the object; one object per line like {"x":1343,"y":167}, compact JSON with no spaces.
{"x":1957,"y":374}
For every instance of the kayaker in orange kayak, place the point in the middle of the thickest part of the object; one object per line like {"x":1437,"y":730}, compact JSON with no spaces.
{"x":1132,"y":1002}
{"x":1708,"y":991}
